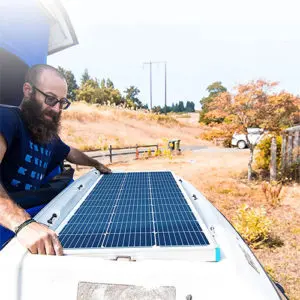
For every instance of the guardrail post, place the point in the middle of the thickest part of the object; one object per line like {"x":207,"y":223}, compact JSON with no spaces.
{"x":136,"y":151}
{"x":110,"y":153}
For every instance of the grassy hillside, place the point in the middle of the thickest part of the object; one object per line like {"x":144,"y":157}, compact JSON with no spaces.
{"x":90,"y":127}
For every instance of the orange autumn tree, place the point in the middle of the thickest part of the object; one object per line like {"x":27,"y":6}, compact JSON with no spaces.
{"x":256,"y":104}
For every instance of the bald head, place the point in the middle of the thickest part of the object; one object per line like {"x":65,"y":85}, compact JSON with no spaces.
{"x":35,"y":73}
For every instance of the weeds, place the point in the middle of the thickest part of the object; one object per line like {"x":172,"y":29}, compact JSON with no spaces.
{"x":167,"y":153}
{"x":149,"y":152}
{"x":270,"y":272}
{"x":157,"y":152}
{"x":253,"y":225}
{"x":295,"y":230}
{"x":272,"y":191}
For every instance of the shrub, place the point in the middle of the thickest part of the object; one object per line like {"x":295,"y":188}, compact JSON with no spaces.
{"x":167,"y":153}
{"x":253,"y":225}
{"x":227,"y":142}
{"x":157,"y":152}
{"x":272,"y":191}
{"x":263,"y":155}
{"x":224,"y":131}
{"x":212,"y":134}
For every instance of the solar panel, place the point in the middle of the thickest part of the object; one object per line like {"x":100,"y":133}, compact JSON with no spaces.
{"x":135,"y":209}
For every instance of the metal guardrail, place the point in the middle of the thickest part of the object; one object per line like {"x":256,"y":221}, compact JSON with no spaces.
{"x":111,"y":154}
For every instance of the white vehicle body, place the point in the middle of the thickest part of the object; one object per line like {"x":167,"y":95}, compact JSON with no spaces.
{"x":254,"y":135}
{"x":135,"y":274}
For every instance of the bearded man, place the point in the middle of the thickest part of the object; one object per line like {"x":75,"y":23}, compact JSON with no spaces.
{"x":29,"y":147}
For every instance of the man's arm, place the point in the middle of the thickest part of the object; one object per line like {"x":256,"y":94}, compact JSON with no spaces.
{"x":37,"y":238}
{"x":79,"y":158}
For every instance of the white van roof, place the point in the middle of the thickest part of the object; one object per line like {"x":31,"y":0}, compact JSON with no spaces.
{"x":62,"y":34}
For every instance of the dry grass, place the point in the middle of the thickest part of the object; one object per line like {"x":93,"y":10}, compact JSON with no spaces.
{"x":93,"y":113}
{"x":89,"y":127}
{"x":219,"y":176}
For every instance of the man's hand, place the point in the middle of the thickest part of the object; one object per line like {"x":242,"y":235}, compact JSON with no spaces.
{"x":39,"y":239}
{"x":77,"y":157}
{"x":102,"y":169}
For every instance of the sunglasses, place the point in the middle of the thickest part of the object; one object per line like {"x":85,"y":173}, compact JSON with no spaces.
{"x":64,"y":103}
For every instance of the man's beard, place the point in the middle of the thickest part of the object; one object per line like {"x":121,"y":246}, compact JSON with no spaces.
{"x":42,"y":129}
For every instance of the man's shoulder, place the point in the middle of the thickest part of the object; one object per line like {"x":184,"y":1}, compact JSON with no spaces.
{"x":10,"y":111}
{"x":10,"y":122}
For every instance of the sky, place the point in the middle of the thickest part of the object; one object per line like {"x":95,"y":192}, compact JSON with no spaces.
{"x":233,"y":41}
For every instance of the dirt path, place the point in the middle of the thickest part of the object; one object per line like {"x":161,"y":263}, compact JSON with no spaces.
{"x":291,"y":196}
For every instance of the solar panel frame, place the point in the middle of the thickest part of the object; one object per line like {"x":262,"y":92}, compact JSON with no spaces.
{"x":166,"y":237}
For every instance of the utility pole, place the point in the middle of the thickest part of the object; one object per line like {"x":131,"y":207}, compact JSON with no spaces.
{"x":165,"y":87}
{"x":150,"y":64}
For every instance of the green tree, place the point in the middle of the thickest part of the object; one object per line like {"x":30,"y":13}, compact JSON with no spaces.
{"x":180,"y":106}
{"x":103,"y":84}
{"x":93,"y":83}
{"x":86,"y":93}
{"x":156,"y":109}
{"x":71,"y":81}
{"x":176,"y":108}
{"x":85,"y":77}
{"x":214,"y":90}
{"x":107,"y":94}
{"x":131,"y":96}
{"x":145,"y":106}
{"x":109,"y":84}
{"x":190,"y":106}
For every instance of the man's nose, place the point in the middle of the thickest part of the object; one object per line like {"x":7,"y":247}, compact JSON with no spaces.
{"x":56,"y":107}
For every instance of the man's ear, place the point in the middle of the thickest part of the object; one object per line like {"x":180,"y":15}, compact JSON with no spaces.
{"x":27,"y":90}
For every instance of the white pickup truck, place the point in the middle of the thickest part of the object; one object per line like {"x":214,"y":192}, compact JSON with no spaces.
{"x":254,"y":135}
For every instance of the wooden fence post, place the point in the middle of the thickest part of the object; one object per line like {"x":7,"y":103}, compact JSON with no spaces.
{"x":296,"y":145}
{"x":283,"y":153}
{"x":273,"y":169}
{"x":136,"y":151}
{"x":110,"y":153}
{"x":290,"y":150}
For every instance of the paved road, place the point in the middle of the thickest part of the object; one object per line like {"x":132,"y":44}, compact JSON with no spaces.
{"x":221,"y":150}
{"x":195,"y":148}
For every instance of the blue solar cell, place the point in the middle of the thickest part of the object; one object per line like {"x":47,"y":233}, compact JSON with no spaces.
{"x":140,"y":209}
